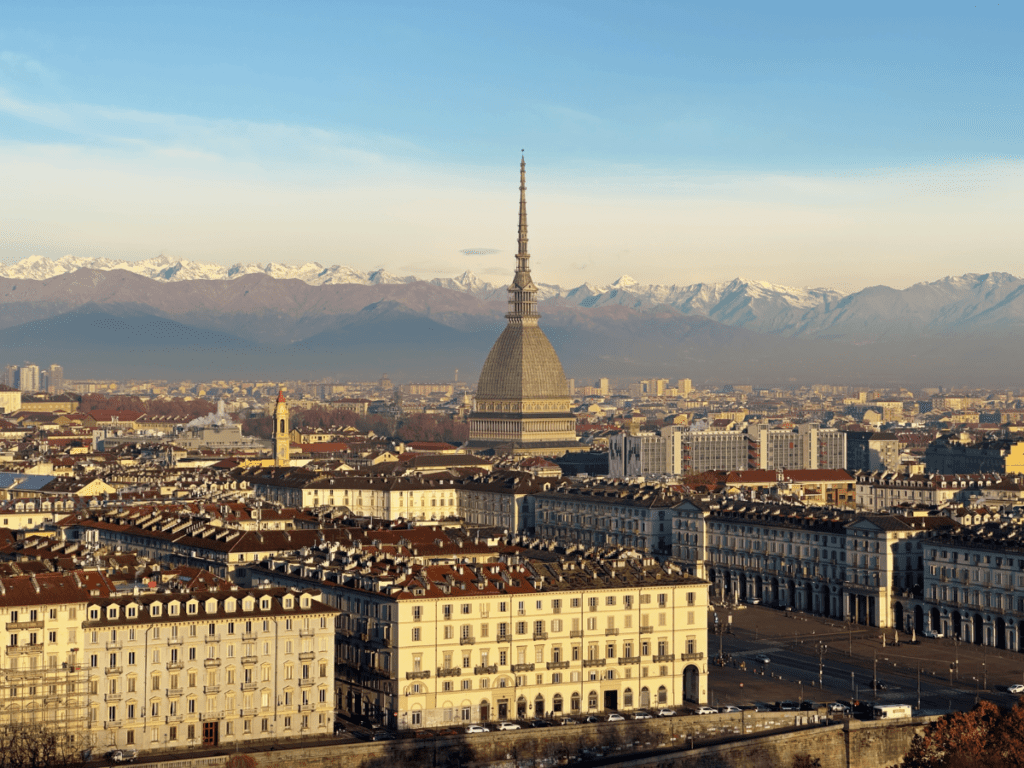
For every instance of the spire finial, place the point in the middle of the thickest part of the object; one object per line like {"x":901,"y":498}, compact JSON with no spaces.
{"x":522,"y":205}
{"x":522,"y":299}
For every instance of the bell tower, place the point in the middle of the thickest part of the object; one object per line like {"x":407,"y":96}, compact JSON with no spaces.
{"x":282,"y":439}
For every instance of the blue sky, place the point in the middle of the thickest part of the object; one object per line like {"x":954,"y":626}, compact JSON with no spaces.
{"x":798,"y":143}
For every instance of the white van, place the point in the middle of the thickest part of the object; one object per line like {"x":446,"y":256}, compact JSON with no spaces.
{"x":891,"y":711}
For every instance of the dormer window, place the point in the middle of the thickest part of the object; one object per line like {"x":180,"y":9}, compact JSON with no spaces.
{"x":94,"y":614}
{"x":156,"y":609}
{"x":289,"y":602}
{"x":192,"y":608}
{"x":172,"y":609}
{"x":132,"y":612}
{"x":112,"y":612}
{"x":265,"y":604}
{"x":211,"y":605}
{"x":230,"y":605}
{"x":305,"y":601}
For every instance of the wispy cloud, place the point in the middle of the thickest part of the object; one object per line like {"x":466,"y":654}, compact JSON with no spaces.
{"x":21,"y":63}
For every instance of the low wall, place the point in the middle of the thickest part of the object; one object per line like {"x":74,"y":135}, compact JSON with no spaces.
{"x":845,"y":745}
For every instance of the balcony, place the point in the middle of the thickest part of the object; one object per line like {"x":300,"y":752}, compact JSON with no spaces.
{"x":113,"y":670}
{"x":692,"y":656}
{"x":174,"y":640}
{"x":14,"y":626}
{"x":663,"y":658}
{"x":211,"y":638}
{"x":306,"y":707}
{"x":449,"y":672}
{"x":114,"y":645}
{"x":575,"y":633}
{"x":491,"y":669}
{"x":24,"y":650}
{"x":306,"y":633}
{"x":175,"y":718}
{"x":523,"y":667}
{"x":594,"y":662}
{"x":307,"y":656}
{"x":248,"y":637}
{"x":305,"y":682}
{"x":208,"y":689}
{"x":112,"y":697}
{"x":218,"y":715}
{"x":175,"y":664}
{"x":250,"y":659}
{"x":175,"y":691}
{"x":467,"y":640}
{"x":558,"y":665}
{"x":421,"y":675}
{"x":629,"y":659}
{"x":504,"y":638}
{"x":251,"y":712}
{"x":109,"y":724}
{"x":611,"y":631}
{"x":646,"y":630}
{"x":209,"y":663}
{"x":540,"y":635}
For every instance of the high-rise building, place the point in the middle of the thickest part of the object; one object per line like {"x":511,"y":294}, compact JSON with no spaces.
{"x":56,"y":380}
{"x":522,"y":397}
{"x":28,"y":378}
{"x":685,"y":387}
{"x":806,"y":447}
{"x":602,"y":384}
{"x":11,"y":376}
{"x":282,"y":433}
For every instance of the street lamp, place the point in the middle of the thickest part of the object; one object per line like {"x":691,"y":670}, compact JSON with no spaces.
{"x":822,"y":650}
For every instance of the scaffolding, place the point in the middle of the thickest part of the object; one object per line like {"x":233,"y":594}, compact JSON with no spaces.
{"x":51,"y":697}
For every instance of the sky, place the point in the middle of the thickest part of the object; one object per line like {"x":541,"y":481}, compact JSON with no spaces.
{"x":808,"y":144}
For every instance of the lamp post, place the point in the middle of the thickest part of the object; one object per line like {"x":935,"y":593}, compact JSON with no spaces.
{"x":822,"y":650}
{"x":919,"y":688}
{"x":874,"y":676}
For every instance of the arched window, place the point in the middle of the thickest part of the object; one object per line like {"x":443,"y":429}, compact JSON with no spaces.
{"x":574,"y":702}
{"x":645,"y":697}
{"x":556,"y":703}
{"x":662,"y":695}
{"x":592,"y":700}
{"x":627,"y":698}
{"x":538,"y":706}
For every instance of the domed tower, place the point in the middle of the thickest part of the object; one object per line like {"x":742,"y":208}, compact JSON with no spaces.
{"x":282,"y":435}
{"x":522,"y":398}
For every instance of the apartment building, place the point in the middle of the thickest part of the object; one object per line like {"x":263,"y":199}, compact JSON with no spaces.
{"x":882,"y":491}
{"x":872,"y":452}
{"x":42,"y":681}
{"x":426,"y":646}
{"x":607,"y":515}
{"x":820,"y":560}
{"x":178,"y":671}
{"x":805,"y":447}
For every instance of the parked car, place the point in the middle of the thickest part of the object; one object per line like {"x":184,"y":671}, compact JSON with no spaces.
{"x":478,"y":729}
{"x":762,"y":659}
{"x":808,"y":706}
{"x":787,"y":706}
{"x":615,"y":718}
{"x":567,"y":721}
{"x":729,"y":708}
{"x":539,"y":723}
{"x":592,"y":719}
{"x":935,"y":634}
{"x":707,"y":711}
{"x":507,"y":726}
{"x":123,"y":755}
{"x":666,"y":713}
{"x":839,"y":707}
{"x":641,"y":715}
{"x":754,"y":600}
{"x":382,"y":736}
{"x":447,"y":732}
{"x":1016,"y":688}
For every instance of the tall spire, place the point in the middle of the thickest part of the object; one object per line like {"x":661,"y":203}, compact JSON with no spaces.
{"x":522,"y":294}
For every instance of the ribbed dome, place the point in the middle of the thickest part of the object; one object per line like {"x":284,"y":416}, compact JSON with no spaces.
{"x":522,"y":364}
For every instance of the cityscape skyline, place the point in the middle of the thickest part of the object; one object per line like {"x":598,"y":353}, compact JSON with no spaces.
{"x":793,"y":125}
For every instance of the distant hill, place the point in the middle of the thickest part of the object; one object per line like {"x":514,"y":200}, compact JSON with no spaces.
{"x":268,"y":321}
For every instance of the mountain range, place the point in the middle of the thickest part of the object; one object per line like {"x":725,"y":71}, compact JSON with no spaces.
{"x":180,"y":319}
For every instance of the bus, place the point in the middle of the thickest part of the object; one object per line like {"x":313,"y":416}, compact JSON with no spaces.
{"x":891,"y":711}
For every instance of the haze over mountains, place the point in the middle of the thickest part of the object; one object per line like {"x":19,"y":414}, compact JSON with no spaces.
{"x":169,"y":318}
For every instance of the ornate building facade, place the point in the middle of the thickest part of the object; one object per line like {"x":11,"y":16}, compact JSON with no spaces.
{"x":522,"y":398}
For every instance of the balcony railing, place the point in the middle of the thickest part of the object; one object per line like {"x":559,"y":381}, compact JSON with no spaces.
{"x":16,"y":625}
{"x":216,"y":715}
{"x":558,"y":665}
{"x":114,"y":645}
{"x":307,"y":656}
{"x":540,"y":635}
{"x":248,"y":637}
{"x":629,"y":659}
{"x":208,"y":663}
{"x":692,"y":656}
{"x":175,"y":640}
{"x":306,"y":633}
{"x":208,"y":689}
{"x":112,"y":697}
{"x":113,"y":670}
{"x":22,"y":650}
{"x":211,"y":638}
{"x":305,"y":682}
{"x":175,"y":691}
{"x":175,"y":718}
{"x":421,"y":675}
{"x":611,"y":631}
{"x":662,"y":658}
{"x":250,"y":659}
{"x":306,"y":707}
{"x":523,"y":667}
{"x":248,"y":686}
{"x":448,"y":672}
{"x":575,"y":633}
{"x":504,"y":638}
{"x":108,"y":724}
{"x":467,"y":640}
{"x":491,"y":669}
{"x":594,"y":662}
{"x":646,"y":630}
{"x":250,"y":712}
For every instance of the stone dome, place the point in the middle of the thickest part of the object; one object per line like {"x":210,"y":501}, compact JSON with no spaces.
{"x":522,"y":365}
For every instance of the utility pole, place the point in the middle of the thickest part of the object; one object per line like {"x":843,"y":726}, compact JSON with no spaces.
{"x":918,"y":688}
{"x":822,"y":650}
{"x":874,"y":676}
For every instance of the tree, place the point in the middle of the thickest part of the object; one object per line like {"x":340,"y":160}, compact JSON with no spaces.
{"x":958,"y":739}
{"x":241,"y":761}
{"x":806,"y":761}
{"x":34,"y":745}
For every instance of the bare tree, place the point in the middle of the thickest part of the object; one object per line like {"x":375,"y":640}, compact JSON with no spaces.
{"x":34,"y":745}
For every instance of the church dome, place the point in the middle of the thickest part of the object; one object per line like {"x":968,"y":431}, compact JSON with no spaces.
{"x":522,"y":365}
